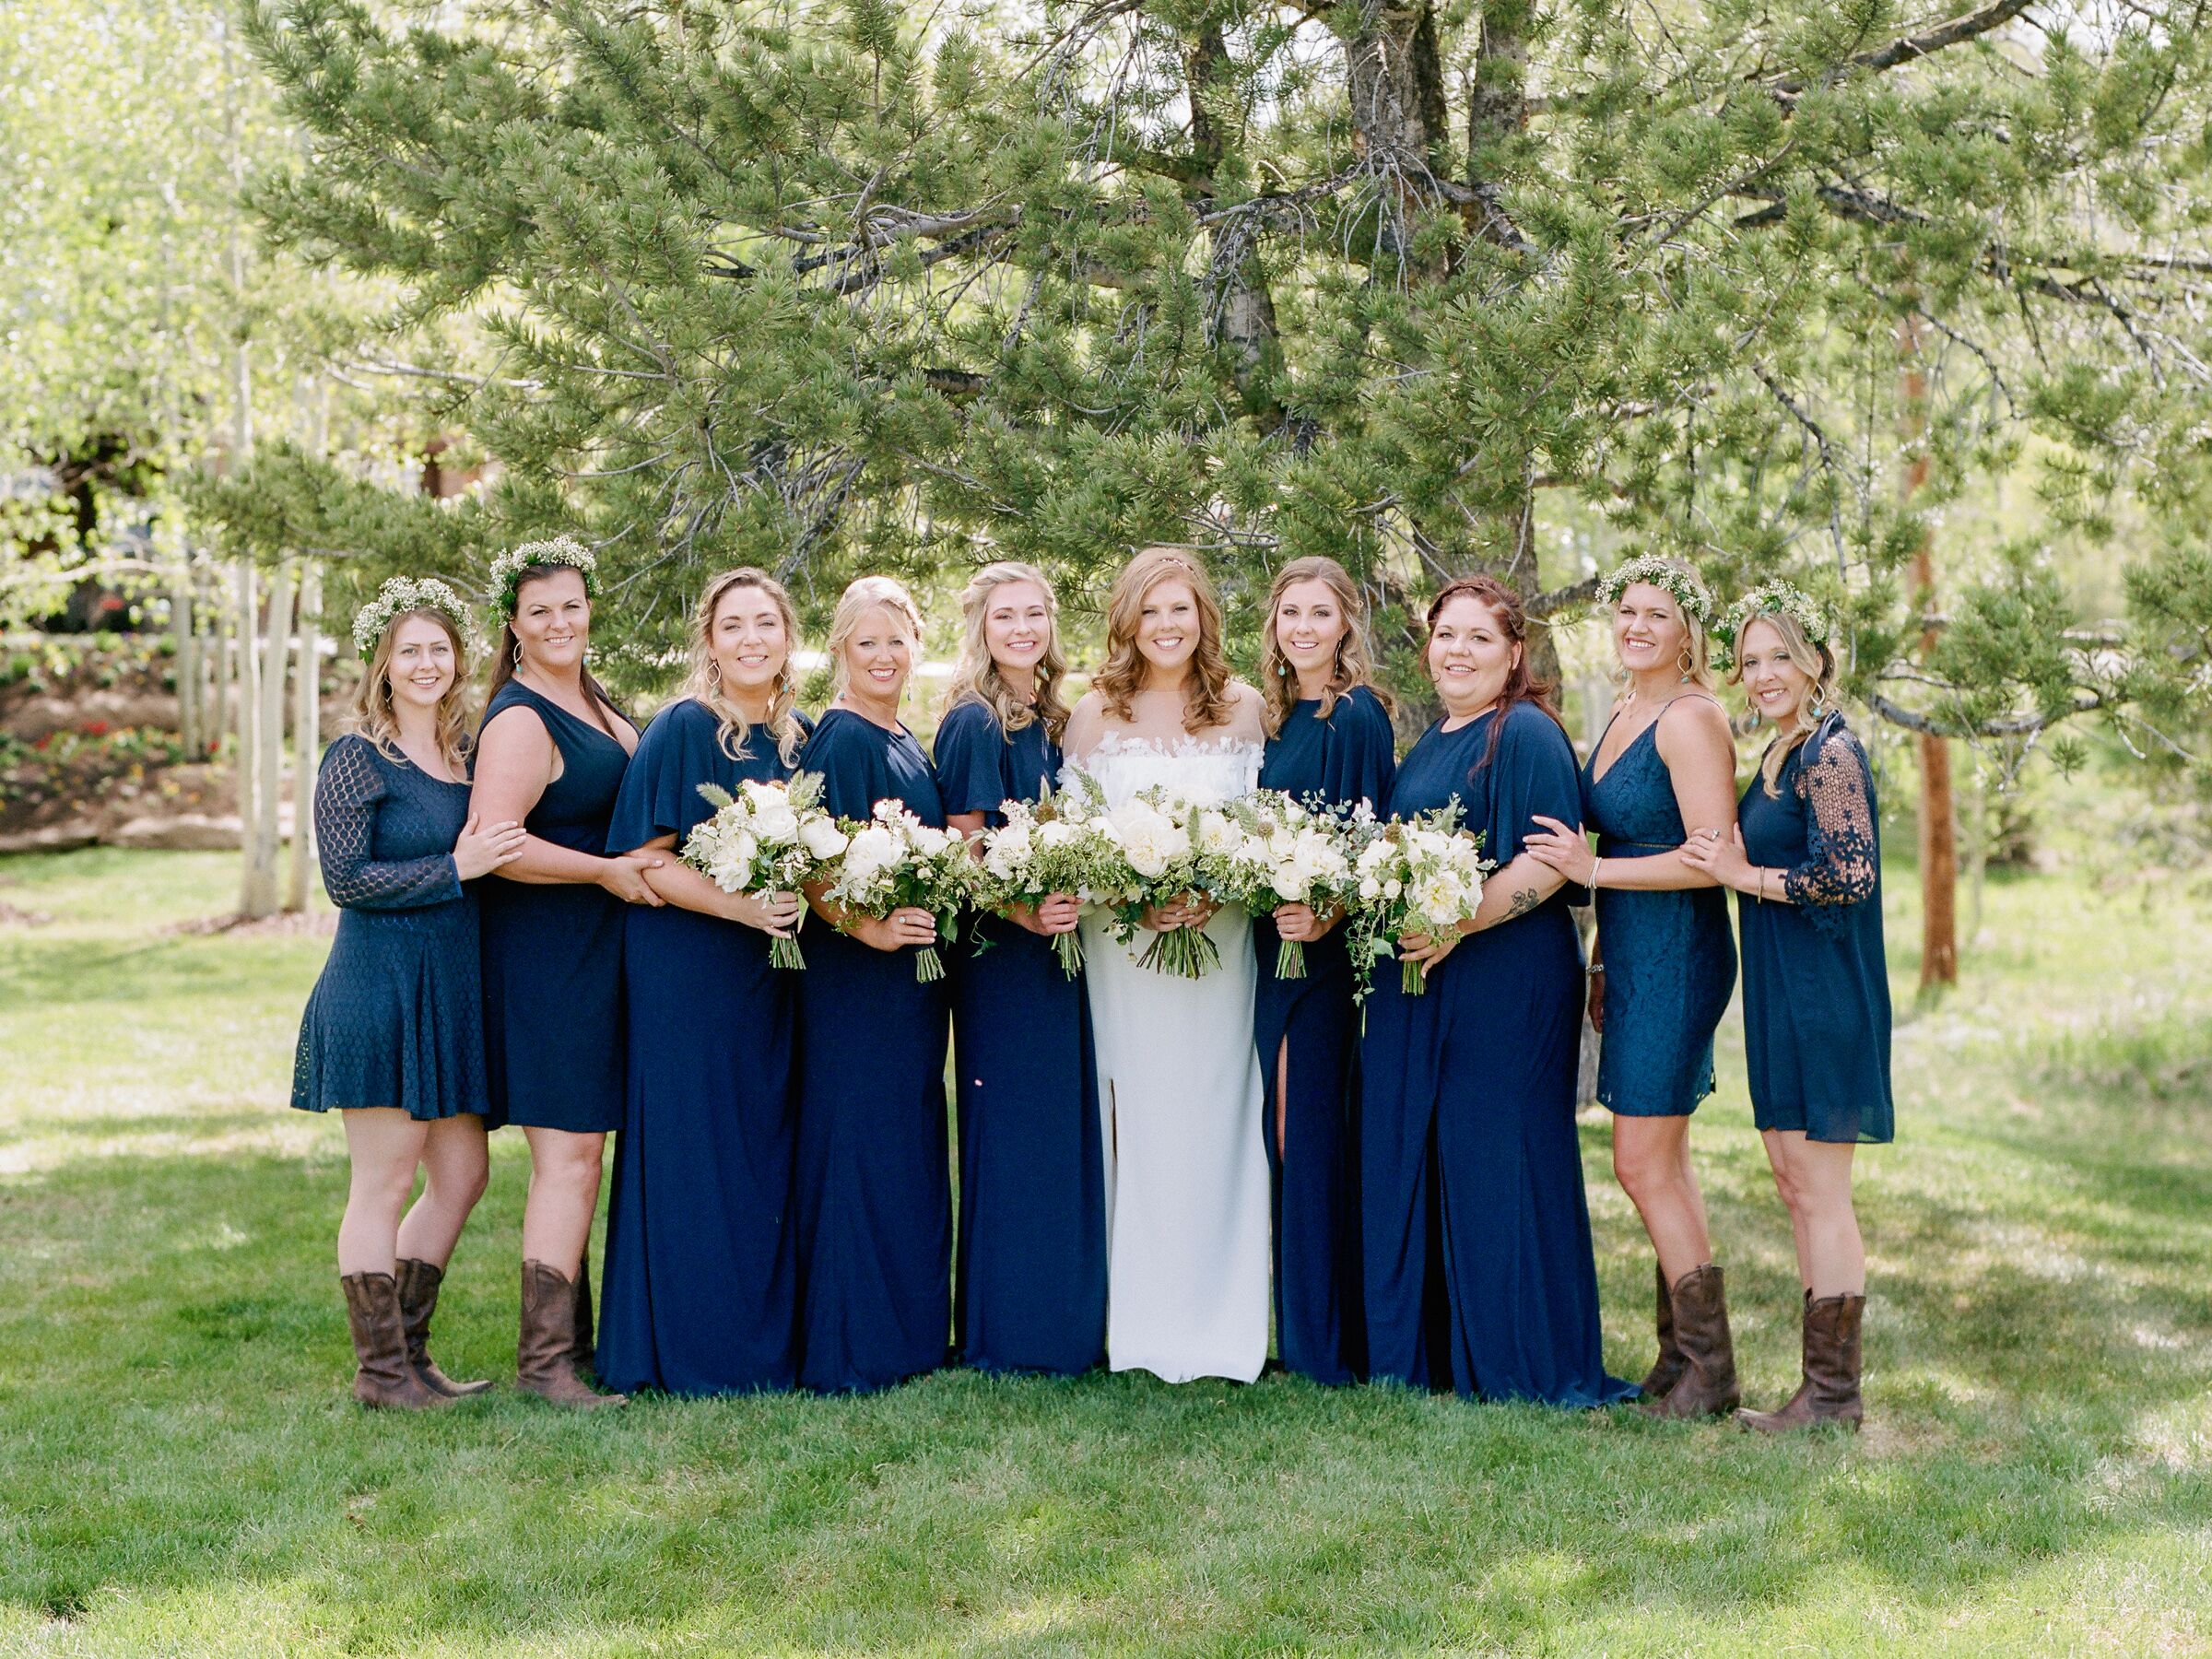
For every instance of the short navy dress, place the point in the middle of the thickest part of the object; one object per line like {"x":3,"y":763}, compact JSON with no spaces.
{"x":698,"y":1292}
{"x":872,"y":1203}
{"x":1670,"y":959}
{"x":1479,"y":1271}
{"x":1816,"y":983}
{"x":1347,"y":759}
{"x":553,"y":952}
{"x":396,"y":1016}
{"x":1031,"y":1285}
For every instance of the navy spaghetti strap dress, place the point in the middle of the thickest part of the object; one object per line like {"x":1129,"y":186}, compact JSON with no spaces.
{"x":1670,"y":959}
{"x":1816,"y":984}
{"x":872,"y":1203}
{"x":1479,"y":1267}
{"x":1349,"y":757}
{"x":699,"y":1291}
{"x":1031,"y":1290}
{"x":396,"y":1016}
{"x":553,"y":953}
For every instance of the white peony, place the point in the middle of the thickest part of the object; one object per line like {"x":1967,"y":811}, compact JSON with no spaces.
{"x":1218,"y":834}
{"x":774,"y":821}
{"x":928,"y":841}
{"x":872,"y":851}
{"x":822,"y":837}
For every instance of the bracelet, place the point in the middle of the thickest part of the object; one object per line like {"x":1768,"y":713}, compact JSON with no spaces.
{"x":1762,"y":884}
{"x":1595,"y":866}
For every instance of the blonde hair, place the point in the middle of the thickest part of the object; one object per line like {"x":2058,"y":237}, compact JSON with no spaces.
{"x":975,"y":677}
{"x":1817,"y":663}
{"x":862,"y":595}
{"x":1696,"y":657}
{"x":374,"y":716}
{"x":1355,"y":663}
{"x":733,"y":732}
{"x":1207,"y":701}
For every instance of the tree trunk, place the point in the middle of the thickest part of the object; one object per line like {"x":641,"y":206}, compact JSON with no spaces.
{"x":1938,"y":810}
{"x":306,"y":719}
{"x":184,"y":631}
{"x":246,"y":696}
{"x":261,"y":830}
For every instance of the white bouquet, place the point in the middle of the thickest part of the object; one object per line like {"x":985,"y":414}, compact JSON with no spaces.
{"x":1292,"y":851}
{"x":1420,"y":874}
{"x":768,"y":837}
{"x":895,"y":860}
{"x":1170,"y":849}
{"x":1054,"y":845}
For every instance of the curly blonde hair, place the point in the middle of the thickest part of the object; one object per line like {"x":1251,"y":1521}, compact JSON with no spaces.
{"x":862,"y":595}
{"x":975,"y":677}
{"x":1355,"y":664}
{"x":735,"y":731}
{"x":1816,"y":662}
{"x":1206,"y":702}
{"x":375,"y":718}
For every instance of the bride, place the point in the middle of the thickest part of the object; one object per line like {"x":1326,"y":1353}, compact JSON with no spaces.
{"x":1179,"y":1080}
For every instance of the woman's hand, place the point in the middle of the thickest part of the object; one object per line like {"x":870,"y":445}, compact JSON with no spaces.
{"x":776,"y":914}
{"x":1724,"y":859}
{"x":1561,"y":847}
{"x":478,"y":851}
{"x":1597,"y":997}
{"x":1058,"y":914}
{"x":909,"y":924}
{"x":1427,"y":949}
{"x":1189,"y":910}
{"x":625,"y":878}
{"x":1302,"y":924}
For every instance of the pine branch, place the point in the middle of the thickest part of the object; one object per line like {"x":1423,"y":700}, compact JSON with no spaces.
{"x":1908,"y":49}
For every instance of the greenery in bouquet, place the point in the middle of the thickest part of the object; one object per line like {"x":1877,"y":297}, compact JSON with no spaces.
{"x":768,"y":837}
{"x":1051,"y":846}
{"x":1294,"y":851}
{"x":1421,"y":875}
{"x":895,"y":860}
{"x":1172,"y":849}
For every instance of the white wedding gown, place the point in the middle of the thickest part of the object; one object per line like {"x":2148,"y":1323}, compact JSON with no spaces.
{"x":1178,"y":1091}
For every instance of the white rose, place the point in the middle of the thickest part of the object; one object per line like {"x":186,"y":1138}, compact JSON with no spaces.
{"x":872,"y":849}
{"x":1369,"y":888}
{"x":822,"y":837}
{"x":1055,"y":834}
{"x":774,"y":821}
{"x":1392,"y":888}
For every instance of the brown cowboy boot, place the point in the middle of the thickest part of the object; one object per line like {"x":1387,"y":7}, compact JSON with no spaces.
{"x":1666,"y":1371}
{"x":1829,"y":1393}
{"x":380,"y":1346}
{"x":1707,"y":1387}
{"x":419,"y":1282}
{"x":545,"y":1361}
{"x":586,"y":1350}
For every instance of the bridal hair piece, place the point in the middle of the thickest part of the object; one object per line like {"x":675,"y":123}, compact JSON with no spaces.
{"x":1670,"y":575}
{"x":401,"y":595}
{"x":374,"y":715}
{"x":1206,"y":702}
{"x":1775,"y":599}
{"x":511,"y":569}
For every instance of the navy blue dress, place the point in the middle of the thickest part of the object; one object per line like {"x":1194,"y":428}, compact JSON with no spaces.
{"x":699,"y":1291}
{"x":396,"y":1016}
{"x":1479,"y":1271}
{"x":1670,"y":959}
{"x":1816,"y":984}
{"x":553,"y":953}
{"x":872,"y":1203}
{"x":1347,"y":759}
{"x":1031,"y":1283}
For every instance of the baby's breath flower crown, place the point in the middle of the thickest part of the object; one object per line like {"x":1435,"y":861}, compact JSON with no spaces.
{"x":400,"y":596}
{"x":1773,"y":599}
{"x":509,"y":568}
{"x":1670,"y":576}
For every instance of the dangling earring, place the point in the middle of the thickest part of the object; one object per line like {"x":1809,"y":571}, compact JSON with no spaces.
{"x":714,"y":671}
{"x":518,"y":656}
{"x":1685,"y":660}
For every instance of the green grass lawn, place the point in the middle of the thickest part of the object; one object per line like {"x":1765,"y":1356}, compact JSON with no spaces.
{"x":182,"y":1472}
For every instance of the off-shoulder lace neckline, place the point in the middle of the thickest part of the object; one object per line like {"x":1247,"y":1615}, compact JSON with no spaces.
{"x":1184,"y":748}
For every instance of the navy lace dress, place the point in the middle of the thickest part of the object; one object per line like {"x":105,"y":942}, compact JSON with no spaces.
{"x":1816,"y":984}
{"x":1479,"y":1271}
{"x":698,"y":1292}
{"x":1031,"y":1283}
{"x":396,"y":1016}
{"x":553,"y":953}
{"x":1349,"y":757}
{"x":872,"y":1207}
{"x":1670,"y":959}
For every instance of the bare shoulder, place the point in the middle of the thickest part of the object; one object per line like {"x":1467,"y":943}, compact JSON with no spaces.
{"x":516,"y":734}
{"x":1247,"y":710}
{"x":1693,"y":723}
{"x":1085,"y":722}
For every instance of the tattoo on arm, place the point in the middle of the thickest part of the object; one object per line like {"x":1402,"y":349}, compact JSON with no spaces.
{"x":1526,"y":900}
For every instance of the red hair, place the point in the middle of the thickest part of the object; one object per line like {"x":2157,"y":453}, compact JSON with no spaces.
{"x":1522,"y":685}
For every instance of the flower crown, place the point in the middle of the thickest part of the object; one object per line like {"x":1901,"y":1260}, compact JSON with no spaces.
{"x":399,"y":595}
{"x":1670,"y":575}
{"x":1776,"y":599}
{"x":507,"y":570}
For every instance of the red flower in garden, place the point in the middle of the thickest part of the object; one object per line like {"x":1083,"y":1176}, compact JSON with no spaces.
{"x":95,"y":728}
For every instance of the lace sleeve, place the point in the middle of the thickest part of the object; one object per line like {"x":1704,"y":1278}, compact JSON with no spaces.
{"x":349,"y":794}
{"x":1842,"y":856}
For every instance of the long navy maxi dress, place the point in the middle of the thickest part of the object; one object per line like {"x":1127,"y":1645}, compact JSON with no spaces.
{"x":1479,"y":1271}
{"x":1816,"y":986}
{"x":699,"y":1295}
{"x":1340,"y":762}
{"x":553,"y":952}
{"x":872,"y":1207}
{"x":1670,"y":959}
{"x":396,"y":1016}
{"x":1030,"y":1290}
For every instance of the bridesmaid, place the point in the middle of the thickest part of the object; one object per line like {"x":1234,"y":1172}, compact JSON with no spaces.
{"x":552,"y":752}
{"x":872,"y":1209}
{"x":1328,"y":738}
{"x":393,"y":1036}
{"x":1479,"y":1270}
{"x":700,"y":1289}
{"x":1807,"y":865}
{"x":1667,"y":760}
{"x":1031,"y":1281}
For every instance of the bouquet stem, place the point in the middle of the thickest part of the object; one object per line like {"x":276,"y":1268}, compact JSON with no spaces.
{"x":1068,"y":947}
{"x":784,"y":953}
{"x":928,"y":965}
{"x":1186,"y":952}
{"x":1291,"y":961}
{"x":1411,"y":979}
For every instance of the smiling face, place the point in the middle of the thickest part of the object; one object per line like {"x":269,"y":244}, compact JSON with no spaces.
{"x":1168,"y":625}
{"x":1017,"y":627}
{"x":1470,"y":656}
{"x":422,"y":665}
{"x":748,"y":643}
{"x":1772,"y":677}
{"x":553,"y":620}
{"x":1649,"y":629}
{"x":879,"y":655}
{"x":1309,"y":624}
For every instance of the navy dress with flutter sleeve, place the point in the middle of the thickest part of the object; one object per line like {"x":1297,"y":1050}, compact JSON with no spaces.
{"x":872,"y":1207}
{"x":1349,"y":757}
{"x":1030,"y":1287}
{"x":396,"y":1016}
{"x":1479,"y":1270}
{"x":698,"y":1291}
